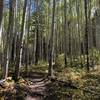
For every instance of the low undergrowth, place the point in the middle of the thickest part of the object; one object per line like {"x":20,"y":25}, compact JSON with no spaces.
{"x":88,"y":84}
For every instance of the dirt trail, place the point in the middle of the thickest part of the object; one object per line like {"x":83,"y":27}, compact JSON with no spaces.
{"x":35,"y":88}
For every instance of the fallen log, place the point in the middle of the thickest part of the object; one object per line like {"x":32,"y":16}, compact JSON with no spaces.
{"x":28,"y":90}
{"x":42,"y":79}
{"x":68,"y":83}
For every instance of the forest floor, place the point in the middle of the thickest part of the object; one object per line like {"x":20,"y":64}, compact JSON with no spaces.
{"x":69,"y":84}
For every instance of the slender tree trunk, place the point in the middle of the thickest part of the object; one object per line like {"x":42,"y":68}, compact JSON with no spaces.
{"x":37,"y":52}
{"x":50,"y":70}
{"x":27,"y":41}
{"x":9,"y":38}
{"x":1,"y":16}
{"x":86,"y":34}
{"x":65,"y":33}
{"x":19,"y":44}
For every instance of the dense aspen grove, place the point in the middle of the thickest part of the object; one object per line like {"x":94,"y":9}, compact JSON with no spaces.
{"x":49,"y":49}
